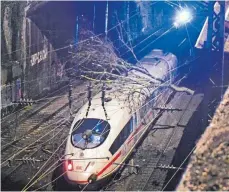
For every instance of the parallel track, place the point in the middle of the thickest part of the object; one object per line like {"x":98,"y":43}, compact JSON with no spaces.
{"x":50,"y":133}
{"x":153,"y":154}
{"x":22,"y":114}
{"x":156,"y":162}
{"x":34,"y":123}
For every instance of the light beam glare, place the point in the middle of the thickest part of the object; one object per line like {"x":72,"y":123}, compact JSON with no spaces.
{"x":182,"y":17}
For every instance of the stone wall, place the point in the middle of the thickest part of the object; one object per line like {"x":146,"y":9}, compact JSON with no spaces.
{"x":36,"y":37}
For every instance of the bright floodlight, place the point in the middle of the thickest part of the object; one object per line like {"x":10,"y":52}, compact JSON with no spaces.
{"x":183,"y":17}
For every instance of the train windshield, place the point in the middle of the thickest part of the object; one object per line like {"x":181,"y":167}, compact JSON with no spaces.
{"x":89,"y":133}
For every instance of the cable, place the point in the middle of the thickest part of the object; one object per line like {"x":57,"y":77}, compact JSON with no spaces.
{"x":155,"y":39}
{"x":74,"y":94}
{"x":5,"y":118}
{"x":85,"y":187}
{"x":43,"y":41}
{"x":44,"y":98}
{"x":82,"y":41}
{"x":81,"y":139}
{"x":53,"y":153}
{"x":29,"y":145}
{"x":23,"y":149}
{"x":143,"y":129}
{"x":28,"y":186}
{"x":27,"y":81}
{"x":51,"y":181}
{"x":179,"y":167}
{"x":49,"y":98}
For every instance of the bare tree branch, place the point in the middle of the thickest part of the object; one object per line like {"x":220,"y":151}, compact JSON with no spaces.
{"x":96,"y":60}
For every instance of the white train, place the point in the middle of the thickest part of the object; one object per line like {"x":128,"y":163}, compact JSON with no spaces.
{"x":97,"y":147}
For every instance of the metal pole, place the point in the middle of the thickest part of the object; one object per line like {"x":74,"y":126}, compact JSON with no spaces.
{"x":221,"y":45}
{"x":70,"y":96}
{"x":210,"y":26}
{"x":16,"y":125}
{"x":93,"y":26}
{"x":106,"y":20}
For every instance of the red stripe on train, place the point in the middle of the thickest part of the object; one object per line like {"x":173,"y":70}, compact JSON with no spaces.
{"x":81,"y":182}
{"x":110,"y":163}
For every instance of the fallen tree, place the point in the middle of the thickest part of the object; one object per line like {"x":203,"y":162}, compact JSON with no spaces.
{"x":96,"y":59}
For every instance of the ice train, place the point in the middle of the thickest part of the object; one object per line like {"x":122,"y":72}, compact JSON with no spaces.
{"x":98,"y":146}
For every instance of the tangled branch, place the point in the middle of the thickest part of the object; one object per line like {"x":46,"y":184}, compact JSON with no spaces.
{"x":96,"y":60}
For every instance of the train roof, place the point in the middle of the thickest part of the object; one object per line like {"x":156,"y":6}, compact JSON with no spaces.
{"x":118,"y":105}
{"x":117,"y":102}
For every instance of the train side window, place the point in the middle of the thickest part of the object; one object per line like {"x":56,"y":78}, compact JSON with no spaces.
{"x":123,"y":135}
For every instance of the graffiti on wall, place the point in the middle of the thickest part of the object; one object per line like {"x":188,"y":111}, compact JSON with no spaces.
{"x":39,"y":56}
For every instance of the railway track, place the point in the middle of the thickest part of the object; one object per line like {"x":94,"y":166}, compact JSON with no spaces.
{"x":155,"y":182}
{"x":34,"y":122}
{"x":28,"y":162}
{"x":30,"y":151}
{"x":149,"y":168}
{"x":141,"y":182}
{"x":9,"y":122}
{"x":152,"y":152}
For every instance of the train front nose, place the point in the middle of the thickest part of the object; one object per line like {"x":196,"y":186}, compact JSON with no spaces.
{"x":79,"y":173}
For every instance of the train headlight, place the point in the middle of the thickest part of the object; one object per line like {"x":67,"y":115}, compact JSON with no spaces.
{"x":183,"y":16}
{"x":69,"y":165}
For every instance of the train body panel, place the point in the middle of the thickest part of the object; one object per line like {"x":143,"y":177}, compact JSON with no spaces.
{"x":97,"y":146}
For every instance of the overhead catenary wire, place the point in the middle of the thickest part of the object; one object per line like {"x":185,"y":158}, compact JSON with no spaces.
{"x":9,"y":53}
{"x":59,"y":146}
{"x":67,"y":56}
{"x":48,"y":98}
{"x":2,"y":120}
{"x":64,"y":155}
{"x":93,"y":128}
{"x":140,"y":132}
{"x":29,"y":81}
{"x":50,"y":171}
{"x":28,"y":186}
{"x":29,"y":144}
{"x":82,"y":41}
{"x":23,"y":149}
{"x":190,"y":153}
{"x":74,"y":94}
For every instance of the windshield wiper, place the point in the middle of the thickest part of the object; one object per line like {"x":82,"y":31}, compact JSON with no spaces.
{"x":85,"y":145}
